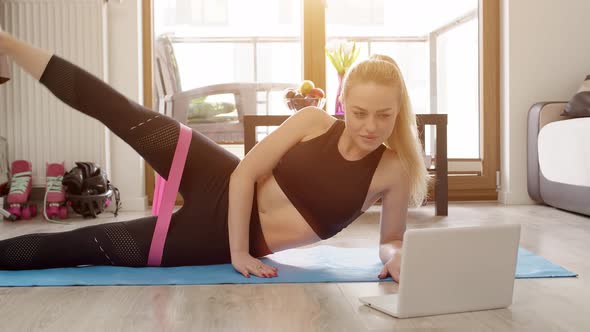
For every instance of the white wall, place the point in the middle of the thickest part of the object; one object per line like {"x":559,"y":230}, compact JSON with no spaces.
{"x":125,"y":75}
{"x":545,"y":57}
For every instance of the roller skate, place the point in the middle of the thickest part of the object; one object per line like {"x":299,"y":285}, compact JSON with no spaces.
{"x":55,"y":197}
{"x":20,"y":190}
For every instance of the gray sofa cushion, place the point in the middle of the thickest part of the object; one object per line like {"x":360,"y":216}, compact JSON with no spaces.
{"x":579,"y":105}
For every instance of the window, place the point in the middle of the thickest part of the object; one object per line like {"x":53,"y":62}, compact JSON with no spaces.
{"x":449,"y":58}
{"x":231,"y":40}
{"x":436,"y":50}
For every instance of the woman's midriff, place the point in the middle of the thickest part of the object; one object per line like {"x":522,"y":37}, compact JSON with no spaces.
{"x":282,"y":225}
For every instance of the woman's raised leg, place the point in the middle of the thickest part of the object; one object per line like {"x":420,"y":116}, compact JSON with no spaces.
{"x":153,"y":135}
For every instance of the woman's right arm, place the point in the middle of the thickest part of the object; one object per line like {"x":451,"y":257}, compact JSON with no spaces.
{"x":260,"y":161}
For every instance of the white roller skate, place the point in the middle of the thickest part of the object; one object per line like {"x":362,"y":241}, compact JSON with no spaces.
{"x":55,"y":198}
{"x":20,"y":190}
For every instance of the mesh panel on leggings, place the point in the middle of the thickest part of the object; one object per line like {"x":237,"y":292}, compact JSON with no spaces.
{"x":20,"y":251}
{"x":126,"y":249}
{"x":156,"y":140}
{"x":62,"y":83}
{"x":150,"y":133}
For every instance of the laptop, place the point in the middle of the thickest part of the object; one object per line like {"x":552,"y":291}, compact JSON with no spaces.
{"x":451,"y":270}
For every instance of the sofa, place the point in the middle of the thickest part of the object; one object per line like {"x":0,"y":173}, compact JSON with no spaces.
{"x":558,"y":155}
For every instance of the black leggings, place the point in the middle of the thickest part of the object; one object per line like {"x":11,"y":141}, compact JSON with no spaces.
{"x":198,"y":233}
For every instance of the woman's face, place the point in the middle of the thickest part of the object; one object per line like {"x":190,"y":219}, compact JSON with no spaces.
{"x":371,"y":110}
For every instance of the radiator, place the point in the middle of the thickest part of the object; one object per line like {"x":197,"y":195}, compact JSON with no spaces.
{"x":37,"y":126}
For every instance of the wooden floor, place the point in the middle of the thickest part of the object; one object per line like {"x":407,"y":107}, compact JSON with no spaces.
{"x":561,"y":304}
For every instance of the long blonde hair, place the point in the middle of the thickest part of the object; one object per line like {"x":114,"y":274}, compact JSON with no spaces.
{"x":383,"y":70}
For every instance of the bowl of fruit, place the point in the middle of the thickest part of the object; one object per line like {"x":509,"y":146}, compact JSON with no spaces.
{"x":306,"y":95}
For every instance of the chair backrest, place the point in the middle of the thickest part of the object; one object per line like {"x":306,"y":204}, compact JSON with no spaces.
{"x":247,"y":94}
{"x":167,"y":81}
{"x":167,"y":76}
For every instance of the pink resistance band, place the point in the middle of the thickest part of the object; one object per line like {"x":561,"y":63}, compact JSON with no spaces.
{"x":165,"y":196}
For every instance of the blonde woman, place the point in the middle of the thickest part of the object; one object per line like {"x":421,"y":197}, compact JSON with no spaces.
{"x":306,"y":181}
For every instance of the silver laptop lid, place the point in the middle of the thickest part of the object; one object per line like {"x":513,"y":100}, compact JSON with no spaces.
{"x":457,"y":269}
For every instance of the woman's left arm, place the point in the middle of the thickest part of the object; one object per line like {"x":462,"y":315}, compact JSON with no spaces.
{"x":394,"y":210}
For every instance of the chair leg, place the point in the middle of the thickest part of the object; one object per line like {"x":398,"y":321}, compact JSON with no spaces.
{"x":441,"y":195}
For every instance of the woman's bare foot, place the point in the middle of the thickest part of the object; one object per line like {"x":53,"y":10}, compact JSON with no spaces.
{"x":30,"y":58}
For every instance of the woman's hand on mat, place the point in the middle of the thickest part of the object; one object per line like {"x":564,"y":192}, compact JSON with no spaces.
{"x":392,"y":267}
{"x":246,"y":265}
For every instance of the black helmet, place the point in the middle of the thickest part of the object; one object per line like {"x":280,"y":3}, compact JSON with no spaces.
{"x":88,"y":190}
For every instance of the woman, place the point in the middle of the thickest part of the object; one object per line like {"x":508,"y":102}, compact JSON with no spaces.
{"x":304,"y":182}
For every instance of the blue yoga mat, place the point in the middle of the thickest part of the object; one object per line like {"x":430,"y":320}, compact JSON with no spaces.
{"x":317,"y":264}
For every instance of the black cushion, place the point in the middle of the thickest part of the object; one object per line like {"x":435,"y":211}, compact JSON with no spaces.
{"x":579,"y":104}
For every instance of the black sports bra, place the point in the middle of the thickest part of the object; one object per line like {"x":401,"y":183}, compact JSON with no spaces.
{"x":328,"y":190}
